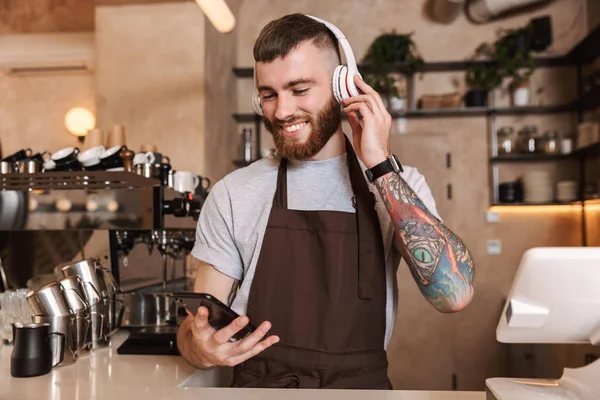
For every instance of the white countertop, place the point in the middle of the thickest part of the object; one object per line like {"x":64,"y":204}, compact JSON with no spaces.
{"x":104,"y":374}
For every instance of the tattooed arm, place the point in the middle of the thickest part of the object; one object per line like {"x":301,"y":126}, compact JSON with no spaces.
{"x":438,"y":260}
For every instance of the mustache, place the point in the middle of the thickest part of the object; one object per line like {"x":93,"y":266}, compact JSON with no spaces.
{"x":291,"y":120}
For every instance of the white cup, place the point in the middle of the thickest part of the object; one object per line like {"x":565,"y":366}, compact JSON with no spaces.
{"x":566,"y":146}
{"x":143,"y":158}
{"x":91,"y":156}
{"x":185,"y":181}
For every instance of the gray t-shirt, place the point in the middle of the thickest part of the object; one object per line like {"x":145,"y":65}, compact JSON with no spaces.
{"x":234,"y":217}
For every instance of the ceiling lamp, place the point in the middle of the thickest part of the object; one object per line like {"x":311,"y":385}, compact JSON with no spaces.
{"x":219,"y":14}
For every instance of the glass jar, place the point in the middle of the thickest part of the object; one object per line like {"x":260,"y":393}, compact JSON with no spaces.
{"x":506,"y":140}
{"x":551,"y":142}
{"x":528,"y":139}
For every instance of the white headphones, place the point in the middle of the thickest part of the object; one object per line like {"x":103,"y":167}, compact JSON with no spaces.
{"x":343,"y":76}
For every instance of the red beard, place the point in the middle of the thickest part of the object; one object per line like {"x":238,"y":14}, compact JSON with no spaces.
{"x":321,"y":130}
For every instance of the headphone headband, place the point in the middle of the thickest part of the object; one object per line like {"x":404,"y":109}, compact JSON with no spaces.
{"x":344,"y":44}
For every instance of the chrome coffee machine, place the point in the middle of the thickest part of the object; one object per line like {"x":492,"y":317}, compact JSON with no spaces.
{"x":139,"y":229}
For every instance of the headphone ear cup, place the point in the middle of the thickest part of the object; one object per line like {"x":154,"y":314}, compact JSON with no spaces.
{"x":344,"y":82}
{"x":352,"y":89}
{"x":335,"y":84}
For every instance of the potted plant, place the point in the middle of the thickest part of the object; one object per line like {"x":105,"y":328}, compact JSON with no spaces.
{"x":389,"y":52}
{"x":482,"y":77}
{"x":508,"y":57}
{"x":514,"y":55}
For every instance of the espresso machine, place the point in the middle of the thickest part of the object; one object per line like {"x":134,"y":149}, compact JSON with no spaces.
{"x":137,"y":226}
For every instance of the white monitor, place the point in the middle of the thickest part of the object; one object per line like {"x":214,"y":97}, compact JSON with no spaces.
{"x":555,"y":298}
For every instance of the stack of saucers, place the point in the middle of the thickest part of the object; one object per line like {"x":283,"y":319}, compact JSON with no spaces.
{"x":566,"y":191}
{"x":537,"y":187}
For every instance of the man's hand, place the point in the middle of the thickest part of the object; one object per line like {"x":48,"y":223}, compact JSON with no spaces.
{"x":371,"y":138}
{"x":213,"y":348}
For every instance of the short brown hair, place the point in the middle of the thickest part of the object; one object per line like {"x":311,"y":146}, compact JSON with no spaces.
{"x":282,"y":35}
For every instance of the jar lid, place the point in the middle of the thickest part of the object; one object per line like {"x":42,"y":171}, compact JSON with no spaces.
{"x":506,"y":129}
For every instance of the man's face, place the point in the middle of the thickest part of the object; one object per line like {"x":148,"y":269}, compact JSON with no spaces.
{"x":298,"y":104}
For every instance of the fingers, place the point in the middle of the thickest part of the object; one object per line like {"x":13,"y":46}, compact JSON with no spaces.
{"x":362,"y":107}
{"x":245,"y":345}
{"x":223,"y":335}
{"x":200,"y":322}
{"x":257,"y":348}
{"x":354,"y":122}
{"x":365,"y":88}
{"x":367,"y":99}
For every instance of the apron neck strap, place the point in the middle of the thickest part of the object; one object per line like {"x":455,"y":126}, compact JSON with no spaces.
{"x":280,"y":199}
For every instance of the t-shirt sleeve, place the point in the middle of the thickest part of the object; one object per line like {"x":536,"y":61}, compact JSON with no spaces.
{"x":215,"y":242}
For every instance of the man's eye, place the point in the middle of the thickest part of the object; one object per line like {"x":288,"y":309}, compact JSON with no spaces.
{"x":300,"y":91}
{"x":268,"y":96}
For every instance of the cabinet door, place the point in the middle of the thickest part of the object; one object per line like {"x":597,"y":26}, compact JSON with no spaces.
{"x":421,"y":351}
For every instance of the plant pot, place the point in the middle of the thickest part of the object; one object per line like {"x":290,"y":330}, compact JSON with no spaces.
{"x":476,"y":98}
{"x":520,"y":94}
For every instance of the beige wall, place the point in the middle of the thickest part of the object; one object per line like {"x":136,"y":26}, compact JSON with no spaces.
{"x":46,"y":16}
{"x":33,"y":108}
{"x":222,"y":138}
{"x":427,"y":347}
{"x":150,"y":78}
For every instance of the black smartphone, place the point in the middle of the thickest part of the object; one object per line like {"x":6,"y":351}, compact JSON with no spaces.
{"x":219,"y":314}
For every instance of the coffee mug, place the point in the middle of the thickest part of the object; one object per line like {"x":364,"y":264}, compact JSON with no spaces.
{"x":144,"y":158}
{"x":185,"y":181}
{"x":19,"y":155}
{"x":90,"y":158}
{"x":66,"y":159}
{"x":111,"y":158}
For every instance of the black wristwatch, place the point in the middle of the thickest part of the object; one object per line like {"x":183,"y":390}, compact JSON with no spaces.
{"x":392,"y":164}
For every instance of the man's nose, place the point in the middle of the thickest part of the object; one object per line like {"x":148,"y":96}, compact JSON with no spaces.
{"x":286,"y":107}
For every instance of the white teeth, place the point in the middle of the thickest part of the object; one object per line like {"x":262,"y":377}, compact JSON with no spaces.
{"x":295,"y":127}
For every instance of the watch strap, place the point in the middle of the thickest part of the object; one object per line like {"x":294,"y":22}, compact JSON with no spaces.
{"x":391,"y":164}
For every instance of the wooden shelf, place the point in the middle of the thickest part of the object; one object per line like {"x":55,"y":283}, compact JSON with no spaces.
{"x":435,"y":66}
{"x":455,"y":112}
{"x":535,"y":110}
{"x":583,"y":153}
{"x":569,"y":203}
{"x":521,"y":157}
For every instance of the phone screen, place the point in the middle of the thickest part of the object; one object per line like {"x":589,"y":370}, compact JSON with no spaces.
{"x":219,"y":314}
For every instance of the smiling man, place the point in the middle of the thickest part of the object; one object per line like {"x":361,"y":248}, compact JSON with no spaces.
{"x":307,"y":242}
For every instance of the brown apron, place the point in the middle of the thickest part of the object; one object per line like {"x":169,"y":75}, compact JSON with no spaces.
{"x":320,"y":281}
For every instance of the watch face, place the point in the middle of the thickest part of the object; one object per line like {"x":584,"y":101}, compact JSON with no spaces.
{"x":396,"y":164}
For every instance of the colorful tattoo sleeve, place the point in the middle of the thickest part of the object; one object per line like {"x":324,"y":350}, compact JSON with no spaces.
{"x":438,"y":260}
